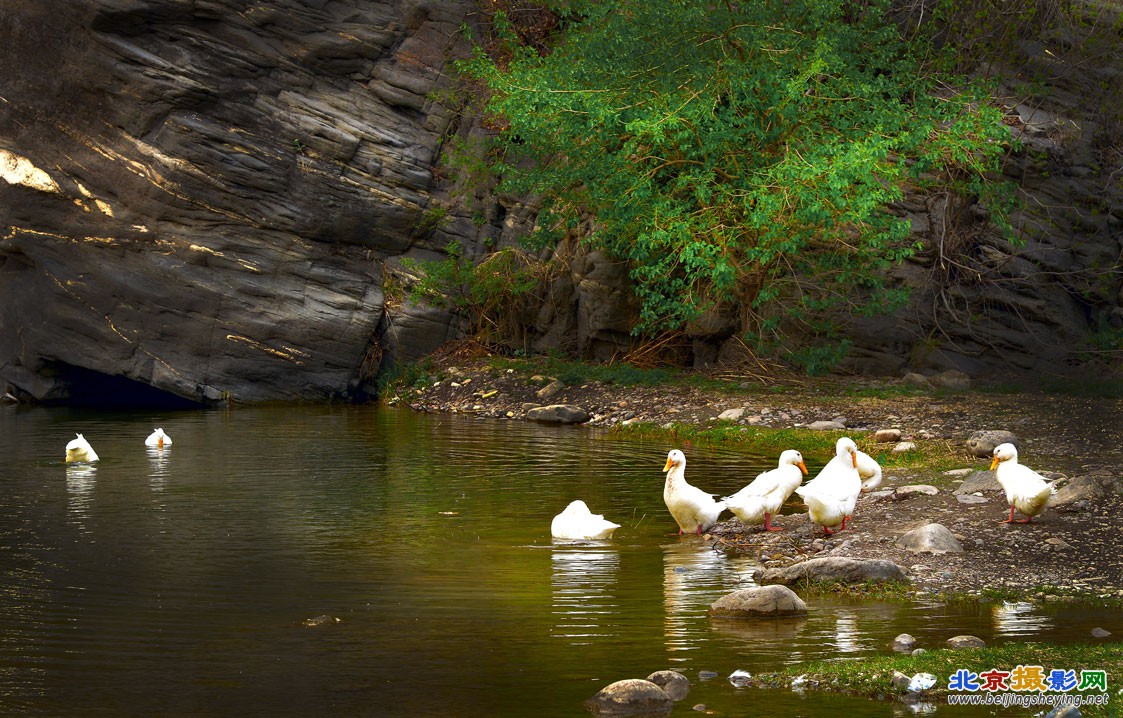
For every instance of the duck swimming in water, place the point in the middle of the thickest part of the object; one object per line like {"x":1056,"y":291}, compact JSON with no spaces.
{"x":158,"y":439}
{"x":80,"y":450}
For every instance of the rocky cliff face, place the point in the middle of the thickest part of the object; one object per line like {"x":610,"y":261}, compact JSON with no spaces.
{"x":199,"y":195}
{"x":202,"y":199}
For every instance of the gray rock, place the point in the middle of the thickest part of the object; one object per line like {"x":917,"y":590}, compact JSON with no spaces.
{"x":900,"y":680}
{"x":558,"y":414}
{"x":917,"y":380}
{"x":982,"y":443}
{"x":832,"y":568}
{"x":1098,"y":632}
{"x":903,"y":642}
{"x":631,"y":696}
{"x":904,"y":447}
{"x":887,"y":436}
{"x":1067,"y":710}
{"x":911,"y":489}
{"x":758,"y":602}
{"x":731,"y":414}
{"x":1082,"y":488}
{"x":951,"y":379}
{"x":932,"y":538}
{"x":970,"y":499}
{"x":966,"y":642}
{"x":551,"y":390}
{"x":978,"y":481}
{"x":825,"y":426}
{"x":676,"y":685}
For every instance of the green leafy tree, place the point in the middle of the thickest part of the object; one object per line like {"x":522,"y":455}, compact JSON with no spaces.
{"x":740,"y":155}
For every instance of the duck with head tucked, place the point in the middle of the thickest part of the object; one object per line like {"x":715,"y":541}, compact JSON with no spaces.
{"x":869,"y":470}
{"x":693,"y":509}
{"x":80,"y":450}
{"x":577,"y":522}
{"x":760,"y":500}
{"x":833,"y":493}
{"x":1026,"y":490}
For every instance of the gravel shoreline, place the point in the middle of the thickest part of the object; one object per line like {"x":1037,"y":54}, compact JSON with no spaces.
{"x":1070,"y":551}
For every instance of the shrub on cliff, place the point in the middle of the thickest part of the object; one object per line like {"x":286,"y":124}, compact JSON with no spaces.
{"x":741,"y":156}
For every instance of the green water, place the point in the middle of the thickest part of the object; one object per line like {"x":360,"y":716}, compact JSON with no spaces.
{"x":179,"y":582}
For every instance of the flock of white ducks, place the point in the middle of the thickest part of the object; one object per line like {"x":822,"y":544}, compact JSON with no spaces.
{"x":830,"y":497}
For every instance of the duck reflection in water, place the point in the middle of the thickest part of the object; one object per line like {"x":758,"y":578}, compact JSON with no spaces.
{"x":584,"y":590}
{"x":1019,"y":618}
{"x":694,"y":576}
{"x":81,"y":479}
{"x":846,"y":634}
{"x":158,"y":465}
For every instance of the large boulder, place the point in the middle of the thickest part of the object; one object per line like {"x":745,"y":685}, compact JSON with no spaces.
{"x":558,"y":414}
{"x":833,"y":568}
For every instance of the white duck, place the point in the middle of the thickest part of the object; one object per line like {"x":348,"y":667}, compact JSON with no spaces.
{"x":1026,"y":490}
{"x":758,"y":501}
{"x":578,"y":522}
{"x":869,"y":470}
{"x":158,"y":439}
{"x":693,"y":509}
{"x":80,"y":450}
{"x":832,"y":494}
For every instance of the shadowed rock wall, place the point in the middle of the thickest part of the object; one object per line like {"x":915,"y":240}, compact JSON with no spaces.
{"x":199,"y":195}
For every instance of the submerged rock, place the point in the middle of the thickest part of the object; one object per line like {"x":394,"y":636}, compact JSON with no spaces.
{"x":631,"y":696}
{"x":966,"y":642}
{"x":673,"y":683}
{"x":904,"y":643}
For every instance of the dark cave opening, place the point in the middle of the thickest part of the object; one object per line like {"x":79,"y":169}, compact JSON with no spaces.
{"x":93,"y":389}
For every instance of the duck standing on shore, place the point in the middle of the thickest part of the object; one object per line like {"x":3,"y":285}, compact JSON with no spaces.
{"x":762,"y":498}
{"x":693,"y":509}
{"x":832,"y":494}
{"x":1026,"y":490}
{"x":869,"y":470}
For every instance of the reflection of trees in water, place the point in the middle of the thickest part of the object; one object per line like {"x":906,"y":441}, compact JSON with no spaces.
{"x":585,"y":604}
